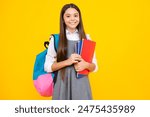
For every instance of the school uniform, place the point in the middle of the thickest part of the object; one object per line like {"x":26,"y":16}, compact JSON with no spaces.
{"x":71,"y":88}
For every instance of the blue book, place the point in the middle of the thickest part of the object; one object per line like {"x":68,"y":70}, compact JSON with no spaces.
{"x":78,"y":47}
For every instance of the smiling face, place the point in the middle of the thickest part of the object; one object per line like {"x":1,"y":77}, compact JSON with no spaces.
{"x":71,"y":19}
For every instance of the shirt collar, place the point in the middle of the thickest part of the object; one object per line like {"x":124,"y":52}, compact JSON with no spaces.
{"x":68,"y":32}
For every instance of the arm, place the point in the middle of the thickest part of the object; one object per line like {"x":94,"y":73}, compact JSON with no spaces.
{"x":58,"y":65}
{"x":50,"y":56}
{"x":74,"y":58}
{"x":84,"y":65}
{"x":94,"y":60}
{"x":90,"y":66}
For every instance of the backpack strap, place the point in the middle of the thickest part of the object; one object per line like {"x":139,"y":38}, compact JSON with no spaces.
{"x":56,"y":42}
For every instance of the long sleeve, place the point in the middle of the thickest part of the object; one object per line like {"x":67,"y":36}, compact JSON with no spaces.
{"x":94,"y":60}
{"x":51,"y":56}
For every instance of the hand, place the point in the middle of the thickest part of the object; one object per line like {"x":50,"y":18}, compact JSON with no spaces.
{"x":74,"y":58}
{"x":81,"y":65}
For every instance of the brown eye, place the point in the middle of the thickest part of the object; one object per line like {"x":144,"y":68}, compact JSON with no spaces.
{"x":75,"y":15}
{"x":68,"y":16}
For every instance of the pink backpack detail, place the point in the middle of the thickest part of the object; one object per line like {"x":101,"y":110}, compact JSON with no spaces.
{"x":44,"y":85}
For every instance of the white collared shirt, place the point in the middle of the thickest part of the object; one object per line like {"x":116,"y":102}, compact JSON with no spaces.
{"x":51,"y":53}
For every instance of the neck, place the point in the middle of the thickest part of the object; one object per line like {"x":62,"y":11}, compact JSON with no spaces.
{"x":71,"y":30}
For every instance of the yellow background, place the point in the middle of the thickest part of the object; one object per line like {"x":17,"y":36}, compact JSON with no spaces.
{"x":121,"y":29}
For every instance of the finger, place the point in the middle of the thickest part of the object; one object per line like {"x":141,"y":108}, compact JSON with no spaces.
{"x":78,"y":70}
{"x":75,"y":61}
{"x":75,"y":65}
{"x":78,"y":55}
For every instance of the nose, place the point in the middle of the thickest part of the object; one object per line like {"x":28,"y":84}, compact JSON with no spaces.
{"x":72,"y":18}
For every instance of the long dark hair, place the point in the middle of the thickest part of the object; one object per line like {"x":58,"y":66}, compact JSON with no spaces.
{"x":62,"y":49}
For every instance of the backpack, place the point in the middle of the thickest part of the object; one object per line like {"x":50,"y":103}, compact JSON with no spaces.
{"x":44,"y":81}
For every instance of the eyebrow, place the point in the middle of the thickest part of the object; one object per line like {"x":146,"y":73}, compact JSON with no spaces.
{"x":70,"y":14}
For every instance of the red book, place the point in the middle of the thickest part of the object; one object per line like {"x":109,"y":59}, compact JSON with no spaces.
{"x":87,"y":53}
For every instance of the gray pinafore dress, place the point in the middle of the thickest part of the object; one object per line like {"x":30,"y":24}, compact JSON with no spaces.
{"x":71,"y":88}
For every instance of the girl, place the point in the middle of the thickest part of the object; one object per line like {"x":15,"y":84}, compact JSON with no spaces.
{"x":66,"y":62}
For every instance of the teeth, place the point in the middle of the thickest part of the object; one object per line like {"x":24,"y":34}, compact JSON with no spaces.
{"x":72,"y":23}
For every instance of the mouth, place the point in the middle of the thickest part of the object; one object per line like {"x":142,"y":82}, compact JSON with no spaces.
{"x":72,"y":23}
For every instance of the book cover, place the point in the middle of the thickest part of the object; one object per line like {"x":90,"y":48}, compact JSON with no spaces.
{"x":87,"y":52}
{"x":79,"y":46}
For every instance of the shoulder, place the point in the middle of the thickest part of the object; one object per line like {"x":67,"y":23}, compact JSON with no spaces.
{"x":52,"y":36}
{"x":54,"y":40}
{"x":88,"y":36}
